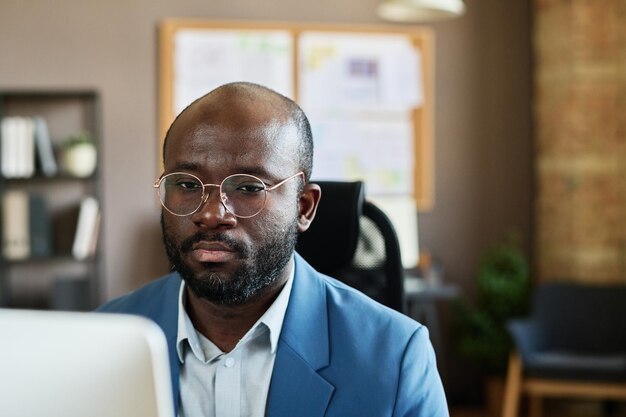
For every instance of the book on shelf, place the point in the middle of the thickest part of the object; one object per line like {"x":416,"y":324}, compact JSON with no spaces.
{"x":45,"y":151}
{"x":8,"y":147}
{"x":39,"y":227}
{"x":15,"y":225}
{"x":24,"y":142}
{"x":87,"y":228}
{"x":26,"y":227}
{"x":27,"y":148}
{"x":17,"y":147}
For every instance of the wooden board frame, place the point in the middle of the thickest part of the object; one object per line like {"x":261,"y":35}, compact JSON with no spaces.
{"x":423,"y":117}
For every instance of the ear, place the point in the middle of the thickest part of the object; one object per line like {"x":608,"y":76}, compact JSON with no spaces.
{"x":309,"y":199}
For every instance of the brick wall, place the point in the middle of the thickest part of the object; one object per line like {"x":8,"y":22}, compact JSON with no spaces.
{"x":580,"y":123}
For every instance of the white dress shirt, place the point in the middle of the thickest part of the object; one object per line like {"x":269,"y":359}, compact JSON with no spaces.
{"x":233,"y":384}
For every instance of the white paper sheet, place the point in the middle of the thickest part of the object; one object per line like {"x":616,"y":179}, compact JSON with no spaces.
{"x":380,"y":71}
{"x":359,"y":92}
{"x":205,"y":59}
{"x":402,"y":211}
{"x":377,"y":150}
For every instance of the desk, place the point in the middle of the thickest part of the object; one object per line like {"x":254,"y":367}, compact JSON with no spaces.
{"x":420,"y":303}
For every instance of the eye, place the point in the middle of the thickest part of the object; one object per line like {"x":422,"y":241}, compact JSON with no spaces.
{"x":182,"y":183}
{"x":250,"y":187}
{"x":189,"y":184}
{"x":243,"y":186}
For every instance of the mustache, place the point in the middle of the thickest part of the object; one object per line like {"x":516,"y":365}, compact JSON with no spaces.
{"x":188,"y":243}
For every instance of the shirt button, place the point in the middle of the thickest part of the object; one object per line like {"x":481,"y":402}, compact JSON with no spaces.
{"x":229,"y":362}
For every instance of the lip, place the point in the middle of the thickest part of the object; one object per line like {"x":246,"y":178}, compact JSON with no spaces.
{"x":212,"y":252}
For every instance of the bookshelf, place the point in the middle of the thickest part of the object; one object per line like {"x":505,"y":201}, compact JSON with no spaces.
{"x":50,"y":200}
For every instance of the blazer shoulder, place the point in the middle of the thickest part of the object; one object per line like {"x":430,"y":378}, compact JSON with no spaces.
{"x":146,"y":298}
{"x":354,"y":307}
{"x":346,"y":305}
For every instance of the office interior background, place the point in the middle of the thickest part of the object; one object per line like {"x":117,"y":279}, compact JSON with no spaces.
{"x":520,"y":145}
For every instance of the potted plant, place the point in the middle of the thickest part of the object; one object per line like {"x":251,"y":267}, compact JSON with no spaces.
{"x":503,"y":292}
{"x":79,"y":155}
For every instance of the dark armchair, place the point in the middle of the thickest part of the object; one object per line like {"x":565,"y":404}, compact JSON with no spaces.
{"x":573,"y":345}
{"x":354,"y":241}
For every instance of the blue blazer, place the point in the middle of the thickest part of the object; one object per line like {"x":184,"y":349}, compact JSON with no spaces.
{"x":340,"y":354}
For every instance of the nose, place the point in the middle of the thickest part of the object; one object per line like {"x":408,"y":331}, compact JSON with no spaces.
{"x":212,"y":213}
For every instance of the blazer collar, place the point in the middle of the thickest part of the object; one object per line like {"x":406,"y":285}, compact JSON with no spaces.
{"x":296,"y":387}
{"x":305,"y":328}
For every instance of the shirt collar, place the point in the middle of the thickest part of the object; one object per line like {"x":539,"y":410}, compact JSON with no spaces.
{"x":275,"y":315}
{"x":272,"y":318}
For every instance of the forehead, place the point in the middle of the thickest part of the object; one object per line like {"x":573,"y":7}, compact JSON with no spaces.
{"x":229,"y":136}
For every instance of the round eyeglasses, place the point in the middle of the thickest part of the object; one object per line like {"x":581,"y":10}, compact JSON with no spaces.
{"x":242,"y":195}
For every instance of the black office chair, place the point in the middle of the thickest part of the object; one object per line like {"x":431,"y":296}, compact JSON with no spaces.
{"x":354,"y":241}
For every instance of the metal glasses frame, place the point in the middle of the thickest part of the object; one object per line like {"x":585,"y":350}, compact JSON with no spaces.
{"x":223,"y":198}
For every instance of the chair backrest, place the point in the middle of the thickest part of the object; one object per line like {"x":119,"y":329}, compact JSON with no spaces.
{"x":332,"y":238}
{"x":354,"y":241}
{"x":587,"y":318}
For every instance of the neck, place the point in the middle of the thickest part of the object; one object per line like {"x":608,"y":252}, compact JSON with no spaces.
{"x":225,"y":325}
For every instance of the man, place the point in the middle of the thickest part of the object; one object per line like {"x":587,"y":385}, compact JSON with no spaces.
{"x":252,"y":329}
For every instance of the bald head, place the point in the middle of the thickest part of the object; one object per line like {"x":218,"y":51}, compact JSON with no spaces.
{"x":253,"y":105}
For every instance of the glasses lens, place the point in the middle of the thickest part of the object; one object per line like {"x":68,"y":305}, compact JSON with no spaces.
{"x":180,"y":193}
{"x":244,"y":195}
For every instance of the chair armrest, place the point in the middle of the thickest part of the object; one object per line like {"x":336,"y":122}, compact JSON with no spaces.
{"x":527,"y":336}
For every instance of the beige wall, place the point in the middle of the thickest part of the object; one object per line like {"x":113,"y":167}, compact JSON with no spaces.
{"x":483,"y":175}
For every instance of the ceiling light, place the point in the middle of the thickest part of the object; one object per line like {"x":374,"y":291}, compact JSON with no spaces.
{"x":420,"y":10}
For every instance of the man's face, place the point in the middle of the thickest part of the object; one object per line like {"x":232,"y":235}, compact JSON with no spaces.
{"x":222,"y":258}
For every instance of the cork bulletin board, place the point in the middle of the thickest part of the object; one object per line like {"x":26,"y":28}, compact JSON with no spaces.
{"x":367,"y":90}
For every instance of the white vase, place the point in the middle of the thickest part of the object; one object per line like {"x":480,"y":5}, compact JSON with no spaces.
{"x":80,"y":160}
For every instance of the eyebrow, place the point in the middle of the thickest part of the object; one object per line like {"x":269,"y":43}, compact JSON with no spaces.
{"x":186,"y":166}
{"x":257,"y":172}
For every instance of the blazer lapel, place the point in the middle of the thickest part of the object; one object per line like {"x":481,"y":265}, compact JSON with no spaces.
{"x":164,"y":312}
{"x":296,"y":388}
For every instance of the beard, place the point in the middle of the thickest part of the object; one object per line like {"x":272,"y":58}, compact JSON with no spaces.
{"x":260,"y":267}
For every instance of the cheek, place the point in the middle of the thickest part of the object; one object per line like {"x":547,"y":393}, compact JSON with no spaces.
{"x":277,"y":220}
{"x":173,"y":227}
